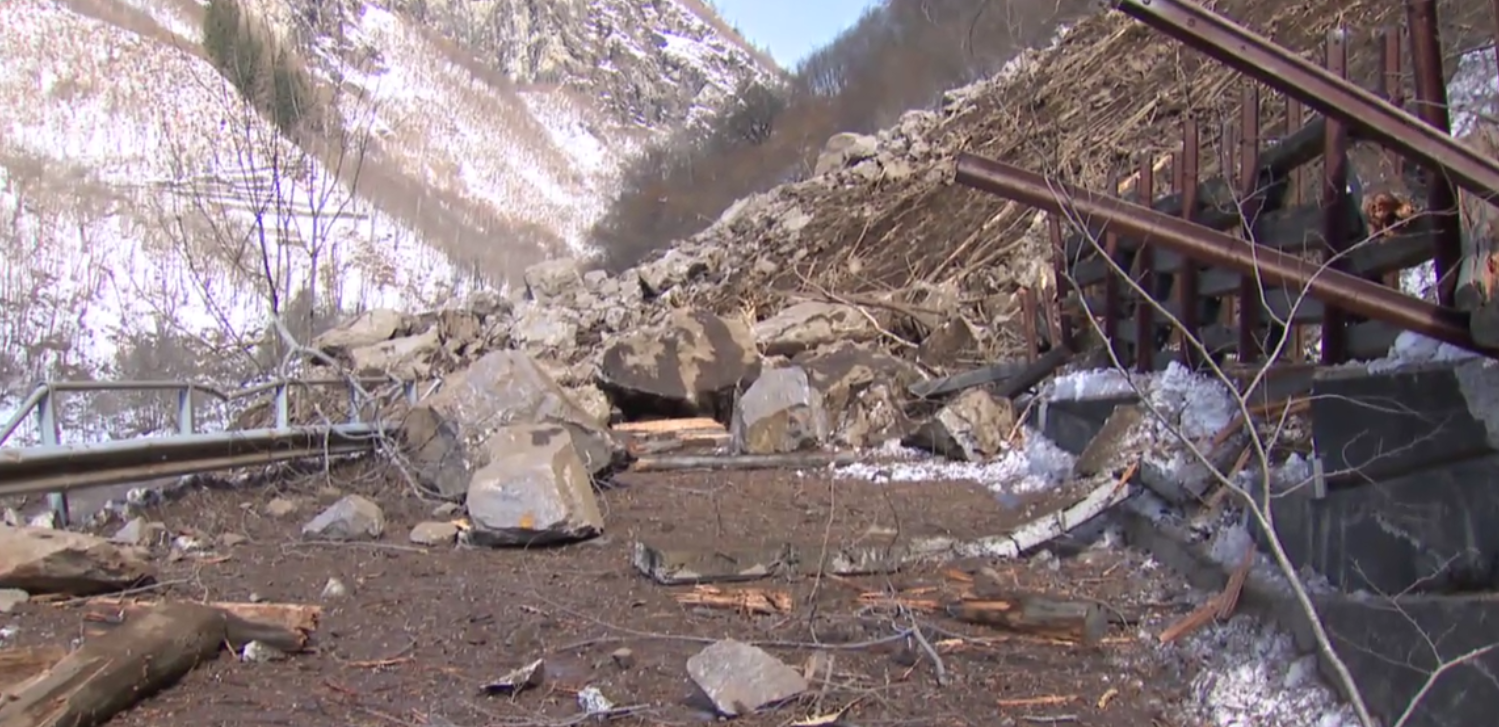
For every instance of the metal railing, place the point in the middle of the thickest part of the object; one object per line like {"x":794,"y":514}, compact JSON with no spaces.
{"x":56,"y":468}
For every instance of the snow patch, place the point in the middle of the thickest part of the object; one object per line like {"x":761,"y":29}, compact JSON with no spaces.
{"x":1252,"y":676}
{"x":1036,"y":466}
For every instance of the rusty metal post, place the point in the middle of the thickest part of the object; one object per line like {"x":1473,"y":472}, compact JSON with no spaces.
{"x":1028,"y":314}
{"x":1061,"y":273}
{"x":1295,"y":117}
{"x":1431,"y":107}
{"x":1217,"y":249}
{"x":1249,"y":178}
{"x":1334,"y":202}
{"x":1391,"y":87}
{"x":1145,"y":258}
{"x":1186,"y":287}
{"x":1112,"y":303}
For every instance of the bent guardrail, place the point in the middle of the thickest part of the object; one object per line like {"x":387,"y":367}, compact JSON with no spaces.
{"x":56,"y":468}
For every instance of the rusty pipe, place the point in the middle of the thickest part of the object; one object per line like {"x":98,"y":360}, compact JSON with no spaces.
{"x":1211,"y":247}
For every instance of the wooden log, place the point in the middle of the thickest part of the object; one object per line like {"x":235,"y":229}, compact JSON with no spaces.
{"x":285,"y":626}
{"x":21,"y":665}
{"x":1036,"y":615}
{"x":795,"y":460}
{"x":109,"y":674}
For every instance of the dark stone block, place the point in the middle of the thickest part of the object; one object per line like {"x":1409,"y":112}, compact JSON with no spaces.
{"x":1373,"y":426}
{"x":1073,"y":424}
{"x":1392,"y":647}
{"x":1430,"y":531}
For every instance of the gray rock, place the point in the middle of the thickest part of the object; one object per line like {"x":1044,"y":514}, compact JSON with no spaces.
{"x":434,"y":533}
{"x":365,"y":329}
{"x":971,"y":427}
{"x":139,"y":531}
{"x":533,"y":490}
{"x":334,"y":589}
{"x":408,"y":358}
{"x":781,"y":412}
{"x":41,"y":560}
{"x":12,"y":597}
{"x":553,"y":279}
{"x":862,"y":390}
{"x":740,"y":678}
{"x":351,"y":518}
{"x":842,"y":150}
{"x":693,"y":367}
{"x":594,"y":401}
{"x":545,"y":328}
{"x":808,"y":325}
{"x":447,"y":432}
{"x":670,"y":270}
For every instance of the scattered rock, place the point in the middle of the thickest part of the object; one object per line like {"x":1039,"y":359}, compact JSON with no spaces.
{"x":862,"y":389}
{"x":691,"y":368}
{"x":229,"y":540}
{"x":533,"y":489}
{"x":623,"y":658}
{"x":972,"y":427}
{"x":12,"y":597}
{"x":139,"y":531}
{"x":808,"y":325}
{"x":351,"y":518}
{"x":950,"y":345}
{"x":844,"y":149}
{"x":740,"y":678}
{"x":365,"y":329}
{"x":260,"y":652}
{"x":280,"y":507}
{"x":434,"y":533}
{"x":672,"y":269}
{"x":780,"y":412}
{"x":334,"y":589}
{"x":593,"y":702}
{"x":592,"y":400}
{"x":448,"y":432}
{"x":447,"y":509}
{"x":40,"y":560}
{"x":518,"y":680}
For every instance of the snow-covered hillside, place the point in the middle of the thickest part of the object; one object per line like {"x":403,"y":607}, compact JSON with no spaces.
{"x":142,"y":197}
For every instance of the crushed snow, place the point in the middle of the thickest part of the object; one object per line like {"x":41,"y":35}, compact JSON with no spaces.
{"x":1035,"y":467}
{"x":1252,"y":676}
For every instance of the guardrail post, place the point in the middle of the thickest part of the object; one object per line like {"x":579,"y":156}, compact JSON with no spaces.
{"x":283,"y":411}
{"x":186,"y":420}
{"x":46,"y":424}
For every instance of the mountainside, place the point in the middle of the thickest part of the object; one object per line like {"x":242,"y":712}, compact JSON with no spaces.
{"x":452,"y":143}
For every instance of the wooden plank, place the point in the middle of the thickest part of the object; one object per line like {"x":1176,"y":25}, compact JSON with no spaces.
{"x":663,"y":426}
{"x":1036,"y":615}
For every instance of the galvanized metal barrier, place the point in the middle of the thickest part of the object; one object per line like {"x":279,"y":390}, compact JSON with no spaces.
{"x":57,"y":468}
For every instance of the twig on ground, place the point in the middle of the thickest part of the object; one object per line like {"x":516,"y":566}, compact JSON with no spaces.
{"x":926,"y":646}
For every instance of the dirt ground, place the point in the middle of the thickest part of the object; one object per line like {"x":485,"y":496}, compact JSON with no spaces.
{"x":422,"y":629}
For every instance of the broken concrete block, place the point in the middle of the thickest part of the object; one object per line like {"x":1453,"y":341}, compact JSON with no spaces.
{"x":351,"y":518}
{"x":780,"y":413}
{"x":365,"y":329}
{"x":808,"y":325}
{"x":42,"y":560}
{"x":692,"y":368}
{"x":447,"y":432}
{"x":408,"y":358}
{"x":740,"y":678}
{"x":533,"y":490}
{"x":972,"y":427}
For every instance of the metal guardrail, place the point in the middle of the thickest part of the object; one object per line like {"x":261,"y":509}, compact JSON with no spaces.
{"x":56,"y":468}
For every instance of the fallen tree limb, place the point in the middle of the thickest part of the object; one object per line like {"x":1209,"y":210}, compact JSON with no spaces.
{"x":108,"y":674}
{"x":21,"y":665}
{"x":285,"y":626}
{"x":1037,"y":615}
{"x":795,"y":460}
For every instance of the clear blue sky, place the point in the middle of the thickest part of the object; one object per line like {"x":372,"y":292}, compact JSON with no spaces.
{"x":790,"y":29}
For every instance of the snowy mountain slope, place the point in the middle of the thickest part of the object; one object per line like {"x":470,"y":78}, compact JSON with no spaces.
{"x":140,"y":197}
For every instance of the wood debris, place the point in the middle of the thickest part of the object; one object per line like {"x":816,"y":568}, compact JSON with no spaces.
{"x":1035,"y":614}
{"x":285,"y":626}
{"x":667,"y":435}
{"x":746,"y":600}
{"x":1220,"y":607}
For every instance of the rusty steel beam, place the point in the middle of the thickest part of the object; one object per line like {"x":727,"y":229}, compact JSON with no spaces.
{"x":1145,"y":259}
{"x":1211,"y":247}
{"x":1257,"y":57}
{"x":1431,"y":99}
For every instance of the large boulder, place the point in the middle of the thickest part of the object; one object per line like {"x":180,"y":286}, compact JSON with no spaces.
{"x":691,"y":368}
{"x":408,"y":358}
{"x":447,"y":432}
{"x":781,"y":412}
{"x":843,"y":150}
{"x":812,"y":324}
{"x":864,"y":391}
{"x":43,"y":560}
{"x":553,"y":279}
{"x":365,"y":329}
{"x":972,"y":427}
{"x":533,"y":490}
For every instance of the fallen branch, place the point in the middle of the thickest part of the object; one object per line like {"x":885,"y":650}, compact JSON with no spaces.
{"x":1080,"y":621}
{"x":750,"y":600}
{"x":285,"y":626}
{"x":109,"y":674}
{"x":20,"y":665}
